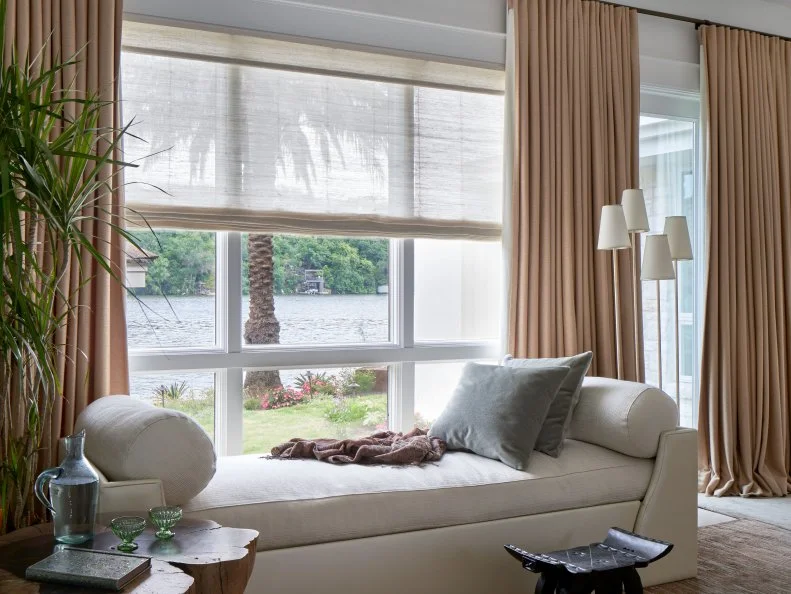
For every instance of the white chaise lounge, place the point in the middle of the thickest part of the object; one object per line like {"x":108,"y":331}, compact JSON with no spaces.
{"x":440,"y":528}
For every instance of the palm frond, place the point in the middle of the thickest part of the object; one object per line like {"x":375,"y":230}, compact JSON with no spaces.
{"x":58,"y":169}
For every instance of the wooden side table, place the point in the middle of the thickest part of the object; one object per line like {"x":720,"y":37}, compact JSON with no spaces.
{"x":203,"y":558}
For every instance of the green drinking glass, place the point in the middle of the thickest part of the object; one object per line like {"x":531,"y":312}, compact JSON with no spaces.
{"x":127,"y":528}
{"x":164,"y":518}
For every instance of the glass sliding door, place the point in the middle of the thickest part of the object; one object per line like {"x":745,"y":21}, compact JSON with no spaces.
{"x":670,"y":178}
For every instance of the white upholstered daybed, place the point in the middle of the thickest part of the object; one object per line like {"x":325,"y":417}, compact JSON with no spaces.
{"x":441,"y":527}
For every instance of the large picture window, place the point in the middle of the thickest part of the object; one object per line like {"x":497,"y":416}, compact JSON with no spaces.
{"x":320,"y":243}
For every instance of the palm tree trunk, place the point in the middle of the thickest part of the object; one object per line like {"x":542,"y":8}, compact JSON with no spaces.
{"x":262,"y":326}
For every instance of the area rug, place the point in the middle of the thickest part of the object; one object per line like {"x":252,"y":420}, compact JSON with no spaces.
{"x":738,"y":557}
{"x":770,"y":510}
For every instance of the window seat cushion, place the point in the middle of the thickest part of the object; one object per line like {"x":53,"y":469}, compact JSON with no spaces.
{"x":301,"y":502}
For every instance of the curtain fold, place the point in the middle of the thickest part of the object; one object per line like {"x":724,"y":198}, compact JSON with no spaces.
{"x":575,"y":150}
{"x":744,"y":426}
{"x":93,"y":361}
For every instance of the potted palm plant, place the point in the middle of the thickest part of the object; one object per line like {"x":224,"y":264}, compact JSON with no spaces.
{"x":56,"y":168}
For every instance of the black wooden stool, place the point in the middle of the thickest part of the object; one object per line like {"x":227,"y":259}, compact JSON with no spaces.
{"x":608,"y":567}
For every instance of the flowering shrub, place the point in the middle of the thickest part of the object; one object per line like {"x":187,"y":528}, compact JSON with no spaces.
{"x":315,"y":386}
{"x":315,"y":383}
{"x":282,"y":397}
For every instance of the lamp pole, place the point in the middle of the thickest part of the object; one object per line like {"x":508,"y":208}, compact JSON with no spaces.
{"x":633,"y":203}
{"x":658,"y":266}
{"x":638,"y":311}
{"x":677,"y":232}
{"x":617,"y":298}
{"x":659,"y":331}
{"x":677,"y":343}
{"x":614,"y":236}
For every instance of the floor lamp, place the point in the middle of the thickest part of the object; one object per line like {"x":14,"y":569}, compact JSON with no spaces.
{"x":633,"y":202}
{"x":677,"y":233}
{"x":613,"y":236}
{"x":657,"y":266}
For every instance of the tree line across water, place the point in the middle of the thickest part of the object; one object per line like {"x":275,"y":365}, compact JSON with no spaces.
{"x":185,"y":263}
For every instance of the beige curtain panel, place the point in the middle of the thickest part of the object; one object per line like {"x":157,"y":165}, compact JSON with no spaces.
{"x":95,"y":356}
{"x":576,"y":121}
{"x":744,"y":399}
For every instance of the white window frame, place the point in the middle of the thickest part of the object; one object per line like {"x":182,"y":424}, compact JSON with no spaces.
{"x":229,"y":357}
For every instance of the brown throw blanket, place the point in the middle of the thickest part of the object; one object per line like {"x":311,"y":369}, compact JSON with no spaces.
{"x":385,"y":447}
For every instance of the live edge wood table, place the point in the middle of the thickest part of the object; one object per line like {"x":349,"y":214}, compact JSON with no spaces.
{"x":203,"y":558}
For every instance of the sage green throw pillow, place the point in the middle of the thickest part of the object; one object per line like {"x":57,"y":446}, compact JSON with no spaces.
{"x":556,"y":425}
{"x":498,"y":411}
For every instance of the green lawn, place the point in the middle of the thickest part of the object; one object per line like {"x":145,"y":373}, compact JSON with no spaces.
{"x":323,"y":416}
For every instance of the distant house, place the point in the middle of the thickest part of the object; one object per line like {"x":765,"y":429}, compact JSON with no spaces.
{"x":314,"y":283}
{"x":137,"y":263}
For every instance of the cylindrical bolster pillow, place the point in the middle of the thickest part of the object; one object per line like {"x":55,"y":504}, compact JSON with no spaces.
{"x":623,"y":416}
{"x":128,"y":439}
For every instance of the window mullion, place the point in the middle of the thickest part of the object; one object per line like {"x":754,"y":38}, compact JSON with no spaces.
{"x":406,"y":294}
{"x":233,"y":411}
{"x":220,"y":412}
{"x":401,"y":411}
{"x":402,"y":390}
{"x":233,"y":267}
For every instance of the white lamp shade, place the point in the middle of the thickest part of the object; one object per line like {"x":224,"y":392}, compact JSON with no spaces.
{"x":633,"y":203}
{"x":613,"y":234}
{"x":657,"y":263}
{"x":677,"y":233}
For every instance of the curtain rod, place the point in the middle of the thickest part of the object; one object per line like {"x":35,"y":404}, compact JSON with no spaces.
{"x":697,"y":22}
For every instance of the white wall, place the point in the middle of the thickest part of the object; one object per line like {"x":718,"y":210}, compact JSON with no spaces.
{"x":669,"y":50}
{"x":459,"y":30}
{"x":669,"y":54}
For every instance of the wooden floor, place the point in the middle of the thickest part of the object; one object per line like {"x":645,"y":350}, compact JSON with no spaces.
{"x":738,"y":557}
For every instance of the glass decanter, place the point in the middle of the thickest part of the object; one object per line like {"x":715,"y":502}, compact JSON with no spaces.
{"x":73,"y":493}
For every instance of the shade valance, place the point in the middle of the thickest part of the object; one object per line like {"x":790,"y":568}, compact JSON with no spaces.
{"x":236,"y":145}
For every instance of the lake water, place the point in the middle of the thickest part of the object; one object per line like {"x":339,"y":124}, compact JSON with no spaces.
{"x":178,"y":322}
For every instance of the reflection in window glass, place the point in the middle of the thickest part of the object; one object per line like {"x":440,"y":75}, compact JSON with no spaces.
{"x":315,"y":290}
{"x":667,"y":162}
{"x":172,"y":279}
{"x":458,"y":285}
{"x":189,"y":392}
{"x":310,"y":403}
{"x":687,"y":293}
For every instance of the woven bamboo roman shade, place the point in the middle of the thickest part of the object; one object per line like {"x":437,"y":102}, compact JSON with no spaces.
{"x":262,"y":135}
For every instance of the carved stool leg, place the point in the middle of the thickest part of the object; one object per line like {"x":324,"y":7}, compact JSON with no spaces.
{"x":609,"y":582}
{"x":631,"y":581}
{"x":546,"y":584}
{"x":575,"y":584}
